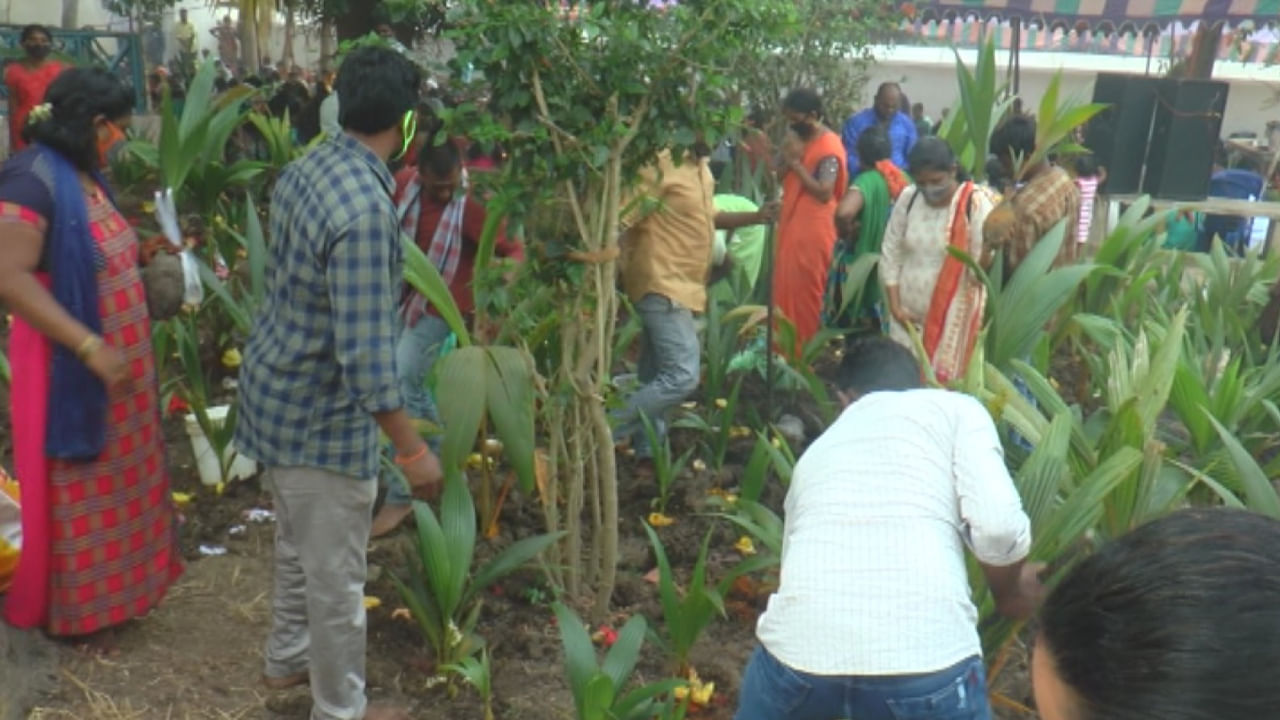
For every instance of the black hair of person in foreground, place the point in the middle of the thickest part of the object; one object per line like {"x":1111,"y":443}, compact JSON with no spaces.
{"x":1177,"y":620}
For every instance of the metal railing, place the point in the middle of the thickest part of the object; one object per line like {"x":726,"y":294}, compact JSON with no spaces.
{"x":120,"y":53}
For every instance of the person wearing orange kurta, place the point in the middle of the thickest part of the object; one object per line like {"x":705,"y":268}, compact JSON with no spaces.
{"x":814,"y":175}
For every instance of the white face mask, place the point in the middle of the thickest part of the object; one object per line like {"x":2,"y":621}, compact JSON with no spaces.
{"x":935,"y":194}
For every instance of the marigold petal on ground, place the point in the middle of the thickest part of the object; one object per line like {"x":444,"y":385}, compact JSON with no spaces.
{"x":657,"y":519}
{"x":371,"y":602}
{"x":745,"y":546}
{"x":231,"y":359}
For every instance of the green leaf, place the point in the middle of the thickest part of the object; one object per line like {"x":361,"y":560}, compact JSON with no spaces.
{"x":509,"y":560}
{"x":621,"y":659}
{"x":256,"y":248}
{"x":1259,"y":493}
{"x":579,"y":654}
{"x":597,"y":699}
{"x":426,"y":279}
{"x":460,"y":392}
{"x":509,"y":402}
{"x":437,"y":559}
{"x":458,"y":524}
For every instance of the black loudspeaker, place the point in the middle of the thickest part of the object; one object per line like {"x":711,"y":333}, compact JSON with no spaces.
{"x":1118,"y":135}
{"x":1184,"y":134}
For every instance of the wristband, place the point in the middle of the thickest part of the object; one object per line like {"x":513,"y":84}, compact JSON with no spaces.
{"x":402,"y":460}
{"x":87,"y":347}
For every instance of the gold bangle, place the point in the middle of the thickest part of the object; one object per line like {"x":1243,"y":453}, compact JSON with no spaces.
{"x":90,"y":344}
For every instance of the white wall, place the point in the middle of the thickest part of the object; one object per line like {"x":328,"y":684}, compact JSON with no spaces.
{"x":306,"y":47}
{"x":928,"y":76}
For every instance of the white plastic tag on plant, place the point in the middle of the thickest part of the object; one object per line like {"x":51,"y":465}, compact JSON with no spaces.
{"x":167,"y":216}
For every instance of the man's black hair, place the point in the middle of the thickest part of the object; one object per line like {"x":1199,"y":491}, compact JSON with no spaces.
{"x":876,"y":363}
{"x":1016,"y":137}
{"x":376,"y":86}
{"x":31,"y":30}
{"x":874,"y":146}
{"x":931,"y":153}
{"x":805,"y":101}
{"x":1175,"y":620}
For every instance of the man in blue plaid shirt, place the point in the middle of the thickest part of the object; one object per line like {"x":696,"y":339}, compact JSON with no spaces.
{"x":319,"y":379}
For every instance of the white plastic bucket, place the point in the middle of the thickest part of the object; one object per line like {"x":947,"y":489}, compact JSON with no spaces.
{"x":242,"y":468}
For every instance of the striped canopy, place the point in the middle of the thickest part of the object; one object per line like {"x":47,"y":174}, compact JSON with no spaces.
{"x":1114,"y":14}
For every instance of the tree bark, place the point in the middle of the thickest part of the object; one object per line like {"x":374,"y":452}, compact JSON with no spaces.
{"x":290,"y":21}
{"x":1204,"y":51}
{"x":249,"y":56}
{"x":326,"y":46}
{"x":70,"y":14}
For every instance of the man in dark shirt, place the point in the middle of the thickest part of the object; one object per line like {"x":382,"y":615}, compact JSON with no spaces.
{"x":319,"y":380}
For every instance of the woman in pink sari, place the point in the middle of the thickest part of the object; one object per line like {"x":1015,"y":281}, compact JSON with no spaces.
{"x":98,"y":528}
{"x":927,"y":289}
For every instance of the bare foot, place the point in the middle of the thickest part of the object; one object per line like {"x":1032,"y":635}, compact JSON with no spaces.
{"x":287,"y":681}
{"x":384,"y":712}
{"x":389,"y":518}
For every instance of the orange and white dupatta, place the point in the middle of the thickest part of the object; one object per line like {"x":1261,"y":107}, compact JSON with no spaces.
{"x":954,"y":322}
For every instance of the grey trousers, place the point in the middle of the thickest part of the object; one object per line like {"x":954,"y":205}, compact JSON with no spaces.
{"x":317,"y":607}
{"x":670,"y":363}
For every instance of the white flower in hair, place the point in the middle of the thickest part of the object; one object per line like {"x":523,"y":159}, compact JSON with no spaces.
{"x":40,"y":113}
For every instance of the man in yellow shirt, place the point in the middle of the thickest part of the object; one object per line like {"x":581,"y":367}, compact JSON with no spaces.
{"x":185,"y":34}
{"x":670,"y":221}
{"x":666,"y":257}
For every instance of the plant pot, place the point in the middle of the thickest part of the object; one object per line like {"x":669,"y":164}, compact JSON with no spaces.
{"x":207,"y":463}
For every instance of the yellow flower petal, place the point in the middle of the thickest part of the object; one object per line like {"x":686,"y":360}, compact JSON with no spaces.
{"x":721,"y":403}
{"x":371,"y":602}
{"x":745,"y":546}
{"x":181,"y":499}
{"x":148,"y":207}
{"x":231,"y":359}
{"x":657,"y":519}
{"x":702,"y":694}
{"x":475,"y":461}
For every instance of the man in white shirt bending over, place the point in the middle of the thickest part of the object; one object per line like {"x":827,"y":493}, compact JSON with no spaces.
{"x":873,"y":618}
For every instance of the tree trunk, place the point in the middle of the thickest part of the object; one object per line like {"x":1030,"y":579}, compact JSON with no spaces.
{"x":1204,"y":51}
{"x":326,"y":46}
{"x":266,"y":13}
{"x":249,"y":56}
{"x":289,"y":30}
{"x":70,"y":14}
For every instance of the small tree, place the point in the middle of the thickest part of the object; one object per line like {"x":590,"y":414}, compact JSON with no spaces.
{"x":582,"y":101}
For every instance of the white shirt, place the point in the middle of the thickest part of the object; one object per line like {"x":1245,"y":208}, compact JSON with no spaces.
{"x":329,"y":116}
{"x":878,"y":515}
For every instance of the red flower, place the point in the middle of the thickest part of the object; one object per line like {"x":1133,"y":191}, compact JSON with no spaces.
{"x":177,"y":405}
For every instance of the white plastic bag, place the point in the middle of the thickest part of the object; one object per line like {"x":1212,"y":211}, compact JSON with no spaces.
{"x":167,"y":216}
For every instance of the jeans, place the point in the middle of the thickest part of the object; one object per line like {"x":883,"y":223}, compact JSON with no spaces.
{"x":416,"y":353}
{"x":317,"y":601}
{"x":669,"y":368}
{"x":773,"y":691}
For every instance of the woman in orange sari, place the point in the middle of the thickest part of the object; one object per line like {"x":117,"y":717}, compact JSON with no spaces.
{"x":814,"y":177}
{"x":927,"y":289}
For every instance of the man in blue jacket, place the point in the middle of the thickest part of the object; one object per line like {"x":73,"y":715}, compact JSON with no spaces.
{"x":888,"y":113}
